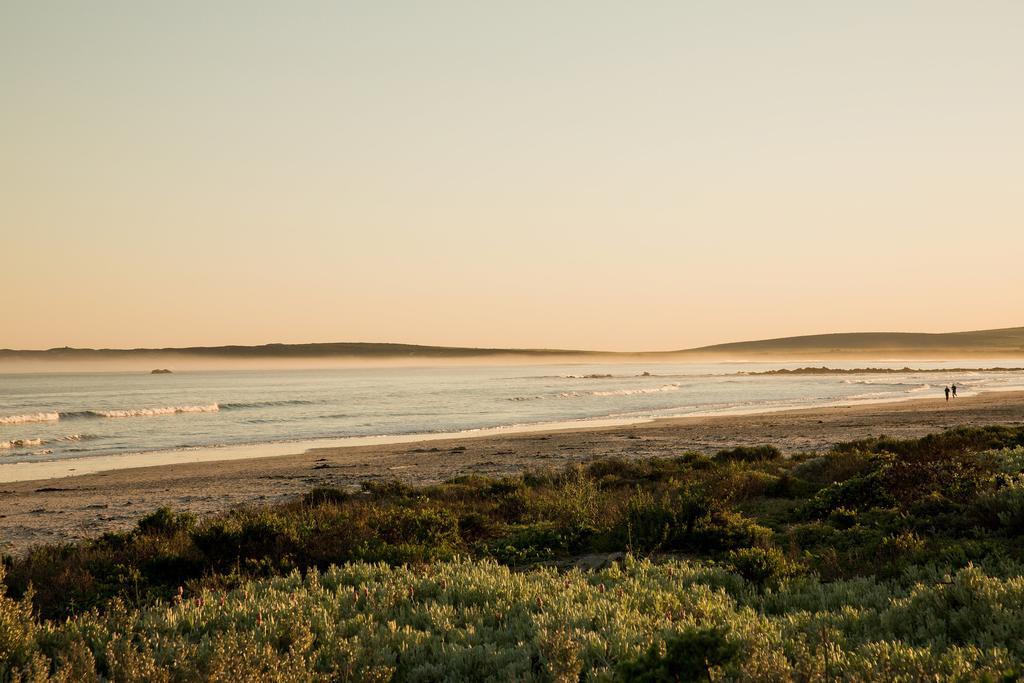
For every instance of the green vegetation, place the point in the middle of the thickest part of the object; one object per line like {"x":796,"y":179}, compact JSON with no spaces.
{"x":881,"y":560}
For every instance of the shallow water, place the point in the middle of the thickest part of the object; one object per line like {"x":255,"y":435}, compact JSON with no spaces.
{"x":57,"y":417}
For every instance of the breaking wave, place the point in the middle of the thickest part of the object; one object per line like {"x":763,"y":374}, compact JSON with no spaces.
{"x":912,"y":389}
{"x":34,"y":417}
{"x":20,"y":443}
{"x":634,"y":392}
{"x":146,"y":412}
{"x":28,"y":443}
{"x":128,"y":412}
{"x":610,"y":392}
{"x":267,"y":404}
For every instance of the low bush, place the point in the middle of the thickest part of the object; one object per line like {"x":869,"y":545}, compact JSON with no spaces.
{"x":258,"y":535}
{"x":691,"y":655}
{"x":748,"y":454}
{"x":836,"y":466}
{"x":763,"y":567}
{"x":166,"y":522}
{"x":1003,"y":507}
{"x":325,"y":495}
{"x":480,"y":621}
{"x":856,"y":493}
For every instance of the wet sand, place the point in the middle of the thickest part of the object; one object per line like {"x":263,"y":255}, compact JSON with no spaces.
{"x":69,"y":508}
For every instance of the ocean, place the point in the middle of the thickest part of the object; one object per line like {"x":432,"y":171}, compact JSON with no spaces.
{"x":51,"y":417}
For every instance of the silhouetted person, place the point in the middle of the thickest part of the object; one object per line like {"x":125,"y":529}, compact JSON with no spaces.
{"x":947,"y":393}
{"x":954,"y":390}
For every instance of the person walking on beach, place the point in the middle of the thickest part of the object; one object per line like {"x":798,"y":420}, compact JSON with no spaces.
{"x":954,"y":390}
{"x":947,"y":393}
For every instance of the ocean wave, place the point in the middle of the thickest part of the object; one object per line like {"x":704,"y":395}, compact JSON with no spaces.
{"x":33,"y":417}
{"x":28,"y":443}
{"x":77,"y":437}
{"x":609,"y":392}
{"x":634,"y":392}
{"x":20,"y":443}
{"x":915,"y":389}
{"x":267,"y":404}
{"x":145,"y":412}
{"x":883,"y":382}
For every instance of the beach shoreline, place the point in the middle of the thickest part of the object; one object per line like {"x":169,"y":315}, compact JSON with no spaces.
{"x":14,"y":470}
{"x":72,"y":507}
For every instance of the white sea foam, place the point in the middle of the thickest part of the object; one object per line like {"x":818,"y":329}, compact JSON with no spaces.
{"x":33,"y":417}
{"x":21,"y":443}
{"x":146,"y":412}
{"x":610,"y":392}
{"x":76,"y":437}
{"x":634,"y":392}
{"x":896,"y":393}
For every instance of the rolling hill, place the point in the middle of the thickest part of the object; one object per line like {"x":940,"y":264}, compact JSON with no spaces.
{"x":1000,"y":343}
{"x":1006,"y":342}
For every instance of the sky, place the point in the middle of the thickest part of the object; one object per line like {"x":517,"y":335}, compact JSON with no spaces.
{"x":590,"y":175}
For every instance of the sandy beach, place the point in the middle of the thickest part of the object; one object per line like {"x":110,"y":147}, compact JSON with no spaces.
{"x":70,"y":508}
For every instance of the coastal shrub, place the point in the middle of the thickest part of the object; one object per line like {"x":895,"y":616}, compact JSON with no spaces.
{"x":474,"y":527}
{"x":725,"y":531}
{"x":950,"y":442}
{"x":691,"y":655}
{"x":743,"y":484}
{"x":749,"y":454}
{"x":896,"y":551}
{"x":1003,"y":507}
{"x":648,"y":525}
{"x":387,"y":488}
{"x":786,"y":485}
{"x":257,"y":535}
{"x":325,"y":495}
{"x":958,"y":476}
{"x":1009,"y":460}
{"x":166,"y":522}
{"x":478,"y":620}
{"x":574,"y":499}
{"x":620,"y":471}
{"x":535,"y":543}
{"x":838,"y":465}
{"x":60,"y":578}
{"x":19,"y":656}
{"x":857,"y":493}
{"x":423,"y":526}
{"x":505,"y":486}
{"x":762,"y":567}
{"x":960,"y":507}
{"x":695,"y":460}
{"x":513,"y":506}
{"x":842,"y":518}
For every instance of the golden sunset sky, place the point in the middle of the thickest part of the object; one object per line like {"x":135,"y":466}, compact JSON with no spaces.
{"x":599,"y":175}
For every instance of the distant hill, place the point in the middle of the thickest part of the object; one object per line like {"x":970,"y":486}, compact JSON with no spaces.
{"x":1006,"y":343}
{"x":1003,"y":343}
{"x":355,"y":350}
